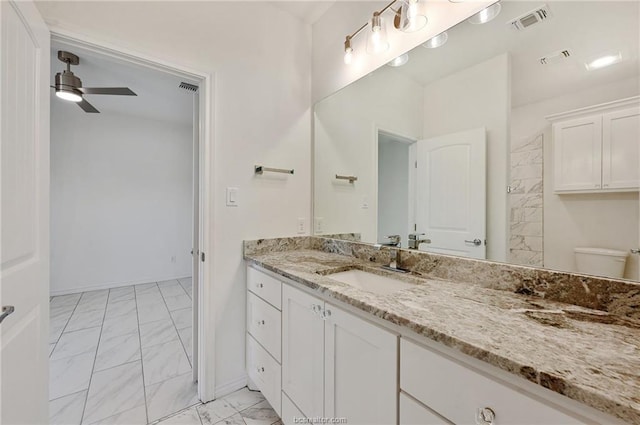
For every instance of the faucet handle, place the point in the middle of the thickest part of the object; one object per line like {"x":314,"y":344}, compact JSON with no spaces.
{"x":394,"y":239}
{"x":415,"y":236}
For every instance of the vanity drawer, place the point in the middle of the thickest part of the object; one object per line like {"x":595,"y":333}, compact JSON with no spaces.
{"x":265,"y":286}
{"x":264,"y":324}
{"x":414,"y":413}
{"x":264,"y":371}
{"x":456,"y":392}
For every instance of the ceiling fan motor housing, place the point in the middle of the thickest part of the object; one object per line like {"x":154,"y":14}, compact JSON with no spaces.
{"x":68,"y":81}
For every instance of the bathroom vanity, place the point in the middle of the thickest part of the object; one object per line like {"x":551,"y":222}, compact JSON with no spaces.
{"x":466,"y":342}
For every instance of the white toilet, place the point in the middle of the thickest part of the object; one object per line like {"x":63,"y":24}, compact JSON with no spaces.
{"x":601,"y":261}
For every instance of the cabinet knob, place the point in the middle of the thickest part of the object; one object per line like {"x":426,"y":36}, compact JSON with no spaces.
{"x":485,"y":416}
{"x":260,"y":322}
{"x":259,"y":285}
{"x":326,"y":314}
{"x":260,"y":369}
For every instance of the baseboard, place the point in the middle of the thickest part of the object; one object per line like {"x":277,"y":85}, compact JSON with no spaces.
{"x":111,"y":285}
{"x":229,"y":387}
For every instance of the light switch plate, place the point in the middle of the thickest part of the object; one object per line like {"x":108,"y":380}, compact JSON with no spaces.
{"x":232,"y":196}
{"x":319,"y":225}
{"x":301,"y":225}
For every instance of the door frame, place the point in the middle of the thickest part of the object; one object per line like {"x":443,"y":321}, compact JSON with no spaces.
{"x":205,"y":355}
{"x":410,"y":141}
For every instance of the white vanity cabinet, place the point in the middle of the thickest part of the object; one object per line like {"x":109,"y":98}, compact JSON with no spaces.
{"x":335,"y":364}
{"x":451,"y":392}
{"x":596,"y":149}
{"x":264,"y":325}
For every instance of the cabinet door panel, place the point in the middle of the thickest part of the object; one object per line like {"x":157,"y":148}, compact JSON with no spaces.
{"x":578,"y":154}
{"x":361,"y":360}
{"x":302,"y":350}
{"x":620,"y":149}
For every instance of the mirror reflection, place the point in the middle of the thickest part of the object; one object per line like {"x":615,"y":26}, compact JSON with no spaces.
{"x":514,"y":140}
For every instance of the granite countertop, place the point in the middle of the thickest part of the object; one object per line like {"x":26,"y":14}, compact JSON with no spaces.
{"x":588,"y":355}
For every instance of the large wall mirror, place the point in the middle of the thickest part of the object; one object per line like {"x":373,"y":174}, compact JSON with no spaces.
{"x":512,"y":142}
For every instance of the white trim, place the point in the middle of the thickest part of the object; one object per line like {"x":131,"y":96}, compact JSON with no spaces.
{"x":593,"y":109}
{"x":87,"y":288}
{"x":205,"y":80}
{"x":231,"y":386}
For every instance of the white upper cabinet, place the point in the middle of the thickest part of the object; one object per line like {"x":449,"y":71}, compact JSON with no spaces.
{"x":595,"y":149}
{"x":620,"y":149}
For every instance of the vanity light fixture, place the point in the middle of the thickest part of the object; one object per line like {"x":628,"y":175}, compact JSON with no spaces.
{"x":436,"y":41}
{"x":377,"y":41}
{"x":486,"y":15}
{"x":604,"y":61}
{"x":407,"y":18}
{"x":399,"y":61}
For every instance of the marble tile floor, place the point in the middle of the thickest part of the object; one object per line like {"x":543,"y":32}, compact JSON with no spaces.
{"x":122,"y":355}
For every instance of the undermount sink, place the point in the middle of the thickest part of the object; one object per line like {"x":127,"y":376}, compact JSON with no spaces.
{"x":370,"y":282}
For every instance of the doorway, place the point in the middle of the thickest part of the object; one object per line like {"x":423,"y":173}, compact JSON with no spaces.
{"x":126,"y":242}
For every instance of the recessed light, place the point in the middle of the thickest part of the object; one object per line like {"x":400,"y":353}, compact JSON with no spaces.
{"x":604,"y":61}
{"x":486,"y":15}
{"x":436,"y":41}
{"x":400,"y":60}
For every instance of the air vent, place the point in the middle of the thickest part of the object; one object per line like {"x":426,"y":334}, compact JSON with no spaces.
{"x":531,"y":18}
{"x":188,"y":87}
{"x":554,"y":57}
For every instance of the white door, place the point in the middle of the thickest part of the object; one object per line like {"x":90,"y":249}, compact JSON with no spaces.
{"x":361,"y":365}
{"x":451,"y":193}
{"x":24,"y":200}
{"x":195,"y":244}
{"x":302,"y":350}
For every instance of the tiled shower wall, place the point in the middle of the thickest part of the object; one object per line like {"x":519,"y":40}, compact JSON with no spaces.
{"x":525,"y":201}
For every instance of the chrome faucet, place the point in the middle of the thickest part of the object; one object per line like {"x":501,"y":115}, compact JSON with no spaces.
{"x":394,"y":247}
{"x":415,"y":241}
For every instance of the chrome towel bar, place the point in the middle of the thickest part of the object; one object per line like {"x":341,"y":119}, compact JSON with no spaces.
{"x":259,"y":169}
{"x":350,"y":178}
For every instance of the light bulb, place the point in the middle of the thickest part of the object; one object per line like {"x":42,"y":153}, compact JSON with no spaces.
{"x":348,"y":56}
{"x":411,"y":19}
{"x":68,"y":95}
{"x":377,"y":40}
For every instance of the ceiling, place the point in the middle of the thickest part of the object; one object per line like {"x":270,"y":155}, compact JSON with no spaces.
{"x":158,"y":96}
{"x":308,"y":11}
{"x":588,"y":29}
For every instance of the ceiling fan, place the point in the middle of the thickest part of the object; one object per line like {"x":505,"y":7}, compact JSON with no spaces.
{"x":69,"y":87}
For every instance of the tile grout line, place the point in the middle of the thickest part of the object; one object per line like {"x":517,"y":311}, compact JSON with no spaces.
{"x":66,"y":323}
{"x":144,"y":387}
{"x":84,"y":407}
{"x":174,"y":323}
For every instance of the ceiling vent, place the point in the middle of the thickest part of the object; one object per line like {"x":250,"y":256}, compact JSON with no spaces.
{"x":531,"y":18}
{"x":554,"y":57}
{"x":188,"y":87}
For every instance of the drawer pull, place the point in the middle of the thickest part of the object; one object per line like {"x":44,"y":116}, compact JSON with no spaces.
{"x":259,"y":285}
{"x":260,"y":322}
{"x":260,"y":369}
{"x":485,"y":416}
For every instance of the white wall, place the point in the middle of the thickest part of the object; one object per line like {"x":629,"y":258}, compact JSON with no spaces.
{"x":121,"y":199}
{"x":260,"y":56}
{"x":330,"y":73}
{"x":478,"y":96}
{"x":604,"y":220}
{"x":346,"y":143}
{"x":393,"y":188}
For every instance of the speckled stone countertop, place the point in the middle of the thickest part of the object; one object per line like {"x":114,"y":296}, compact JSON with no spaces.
{"x":589,"y":355}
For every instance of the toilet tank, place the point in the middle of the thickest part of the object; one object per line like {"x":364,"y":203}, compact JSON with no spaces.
{"x":601,"y":261}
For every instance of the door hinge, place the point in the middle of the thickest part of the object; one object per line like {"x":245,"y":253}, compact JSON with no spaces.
{"x":416,"y":164}
{"x":415,"y":227}
{"x":202,"y":256}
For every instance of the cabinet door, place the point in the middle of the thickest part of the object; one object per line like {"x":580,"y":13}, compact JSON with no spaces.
{"x":361,"y":362}
{"x":620,"y":153}
{"x":302,"y":350}
{"x":577,"y":147}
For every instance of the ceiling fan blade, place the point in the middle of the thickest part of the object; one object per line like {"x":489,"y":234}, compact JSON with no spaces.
{"x":119,"y":91}
{"x":87,"y":107}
